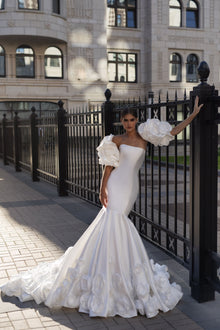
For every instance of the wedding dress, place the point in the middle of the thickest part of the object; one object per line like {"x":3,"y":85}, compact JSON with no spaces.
{"x":107,"y":272}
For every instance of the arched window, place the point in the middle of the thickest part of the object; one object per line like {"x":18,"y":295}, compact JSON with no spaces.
{"x":24,"y":62}
{"x":2,"y":4}
{"x":53,"y":63}
{"x":175,"y":67}
{"x":191,"y":68}
{"x":27,"y":4}
{"x":175,"y":13}
{"x":2,"y":62}
{"x":192,"y":14}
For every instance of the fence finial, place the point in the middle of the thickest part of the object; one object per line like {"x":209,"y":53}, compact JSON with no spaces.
{"x":60,"y":104}
{"x":108,"y":94}
{"x":203,"y":71}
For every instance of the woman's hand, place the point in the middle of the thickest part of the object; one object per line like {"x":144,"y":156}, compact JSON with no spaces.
{"x":103,"y":197}
{"x":197,"y":107}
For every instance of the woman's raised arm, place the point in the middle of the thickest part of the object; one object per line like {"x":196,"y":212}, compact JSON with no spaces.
{"x":180,"y":127}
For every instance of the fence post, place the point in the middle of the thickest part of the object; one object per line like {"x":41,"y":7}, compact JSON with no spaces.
{"x":4,"y":140}
{"x":34,"y":146}
{"x":203,"y":189}
{"x":62,"y":151}
{"x":108,"y":114}
{"x":16,"y":143}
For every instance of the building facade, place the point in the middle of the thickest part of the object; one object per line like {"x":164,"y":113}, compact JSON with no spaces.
{"x":74,"y":49}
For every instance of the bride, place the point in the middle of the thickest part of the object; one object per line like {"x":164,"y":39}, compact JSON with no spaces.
{"x":108,"y":272}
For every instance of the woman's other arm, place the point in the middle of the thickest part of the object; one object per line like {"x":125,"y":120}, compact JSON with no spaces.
{"x":103,"y":195}
{"x":180,"y":127}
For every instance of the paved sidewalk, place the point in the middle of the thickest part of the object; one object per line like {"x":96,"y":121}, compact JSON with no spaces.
{"x":37,"y":226}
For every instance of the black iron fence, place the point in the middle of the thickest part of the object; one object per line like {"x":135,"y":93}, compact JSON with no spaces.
{"x":161,"y":212}
{"x":61,"y":148}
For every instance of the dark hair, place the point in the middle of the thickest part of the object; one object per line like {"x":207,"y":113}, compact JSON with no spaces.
{"x":129,"y":111}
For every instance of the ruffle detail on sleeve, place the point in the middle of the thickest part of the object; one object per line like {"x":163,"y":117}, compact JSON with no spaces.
{"x":156,"y":132}
{"x":108,"y":152}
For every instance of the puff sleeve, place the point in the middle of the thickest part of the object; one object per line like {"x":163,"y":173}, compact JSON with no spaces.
{"x":108,"y":152}
{"x":156,"y":132}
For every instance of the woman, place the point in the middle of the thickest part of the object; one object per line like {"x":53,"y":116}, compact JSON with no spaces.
{"x":107,"y":272}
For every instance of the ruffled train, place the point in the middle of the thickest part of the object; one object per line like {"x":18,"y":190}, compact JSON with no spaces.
{"x":106,"y":273}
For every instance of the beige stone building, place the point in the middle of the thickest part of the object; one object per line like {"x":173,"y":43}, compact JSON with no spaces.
{"x":74,"y":49}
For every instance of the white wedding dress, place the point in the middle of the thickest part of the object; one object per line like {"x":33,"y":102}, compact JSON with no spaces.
{"x":107,"y":272}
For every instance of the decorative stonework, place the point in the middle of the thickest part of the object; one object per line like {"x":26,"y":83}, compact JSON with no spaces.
{"x":159,"y":12}
{"x":11,"y":23}
{"x":212,"y":13}
{"x":160,"y":65}
{"x":85,"y":53}
{"x":81,"y":34}
{"x":186,"y":40}
{"x":79,"y":8}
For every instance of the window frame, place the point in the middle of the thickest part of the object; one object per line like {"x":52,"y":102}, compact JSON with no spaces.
{"x":116,"y":7}
{"x":194,"y":10}
{"x":56,"y":5}
{"x":17,"y":55}
{"x":117,"y":62}
{"x":171,"y":62}
{"x":3,"y":55}
{"x":53,"y":57}
{"x":180,"y":8}
{"x":38,"y":6}
{"x":194,"y":64}
{"x":2,"y":7}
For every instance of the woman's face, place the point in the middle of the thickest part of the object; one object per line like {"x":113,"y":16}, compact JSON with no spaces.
{"x":129,"y":122}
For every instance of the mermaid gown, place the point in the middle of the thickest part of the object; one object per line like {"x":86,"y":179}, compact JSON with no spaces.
{"x":107,"y":272}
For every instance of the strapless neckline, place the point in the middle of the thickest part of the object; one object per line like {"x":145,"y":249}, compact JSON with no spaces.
{"x":128,"y":145}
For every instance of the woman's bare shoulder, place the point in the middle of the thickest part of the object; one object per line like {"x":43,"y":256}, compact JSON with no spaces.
{"x":117,"y":139}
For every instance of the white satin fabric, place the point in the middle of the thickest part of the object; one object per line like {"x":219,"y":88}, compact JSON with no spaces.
{"x":108,"y":152}
{"x":107,"y":272}
{"x":156,"y":132}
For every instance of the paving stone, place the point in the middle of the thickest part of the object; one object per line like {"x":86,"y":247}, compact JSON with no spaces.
{"x":30,"y":313}
{"x":49,"y":323}
{"x":30,"y":221}
{"x":7,"y":325}
{"x":34,"y":323}
{"x":20,"y":325}
{"x":14,"y":316}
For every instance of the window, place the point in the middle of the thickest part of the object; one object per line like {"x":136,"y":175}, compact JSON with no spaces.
{"x":28,"y":4}
{"x":53,"y":63}
{"x":56,"y":6}
{"x":192,"y":15}
{"x":175,"y":67}
{"x":24,"y":62}
{"x":2,"y":4}
{"x":191,"y":68}
{"x":175,"y":13}
{"x":122,"y":67}
{"x":2,"y":62}
{"x":122,"y":13}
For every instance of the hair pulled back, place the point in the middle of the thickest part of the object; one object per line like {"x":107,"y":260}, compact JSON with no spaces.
{"x":129,"y":111}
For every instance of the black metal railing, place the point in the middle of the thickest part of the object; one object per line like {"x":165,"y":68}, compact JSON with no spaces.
{"x":177,"y":204}
{"x":84,"y":132}
{"x":161,"y":212}
{"x":61,"y":148}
